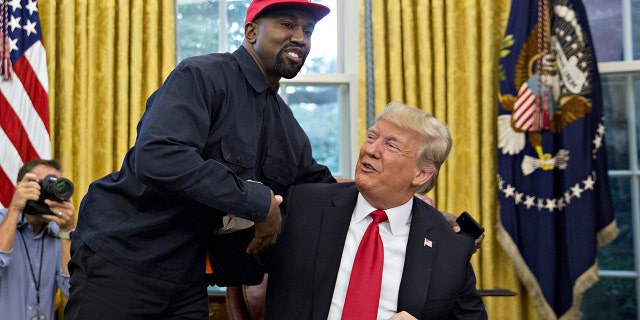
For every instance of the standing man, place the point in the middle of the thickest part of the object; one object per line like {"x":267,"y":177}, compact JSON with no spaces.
{"x":34,"y":247}
{"x":423,"y":270}
{"x":215,"y":138}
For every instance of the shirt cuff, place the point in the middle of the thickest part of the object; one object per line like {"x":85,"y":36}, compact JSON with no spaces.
{"x":231,"y":223}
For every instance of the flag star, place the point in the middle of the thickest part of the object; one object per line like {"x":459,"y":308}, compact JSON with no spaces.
{"x":518,"y":197}
{"x":540,"y":204}
{"x":601,"y":129}
{"x":30,"y":27}
{"x":576,"y":190}
{"x":32,"y":7}
{"x":14,"y":23}
{"x":529,"y":202}
{"x":589,"y":183}
{"x":13,"y":44}
{"x":15,"y":4}
{"x":551,"y":204}
{"x":509,"y":191}
{"x":597,"y":141}
{"x":567,"y":197}
{"x":561,"y":204}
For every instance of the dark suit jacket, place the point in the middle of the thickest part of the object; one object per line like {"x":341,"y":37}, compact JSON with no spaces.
{"x":438,"y":282}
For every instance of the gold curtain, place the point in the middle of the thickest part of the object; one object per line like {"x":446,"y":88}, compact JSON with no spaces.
{"x":442,"y":56}
{"x":104,"y":59}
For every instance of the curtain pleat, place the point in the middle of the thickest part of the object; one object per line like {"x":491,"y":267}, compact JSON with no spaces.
{"x":442,"y":56}
{"x":104,"y":59}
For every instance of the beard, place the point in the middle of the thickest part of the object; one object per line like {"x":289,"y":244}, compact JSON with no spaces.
{"x":285,"y":70}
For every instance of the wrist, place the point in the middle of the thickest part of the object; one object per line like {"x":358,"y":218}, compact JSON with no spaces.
{"x":65,"y":234}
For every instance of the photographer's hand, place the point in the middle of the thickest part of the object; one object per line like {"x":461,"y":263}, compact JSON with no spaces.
{"x":267,"y":231}
{"x":65,"y":217}
{"x":27,"y":189}
{"x":64,"y":214}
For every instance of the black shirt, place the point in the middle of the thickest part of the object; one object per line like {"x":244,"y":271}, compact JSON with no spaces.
{"x":213,"y":125}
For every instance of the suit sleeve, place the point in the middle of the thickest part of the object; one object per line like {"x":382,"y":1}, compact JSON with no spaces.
{"x":469,"y":303}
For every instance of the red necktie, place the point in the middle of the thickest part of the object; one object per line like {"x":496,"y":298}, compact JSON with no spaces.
{"x":363,"y":294}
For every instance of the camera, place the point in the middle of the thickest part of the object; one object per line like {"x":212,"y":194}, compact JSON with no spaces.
{"x":52,"y":188}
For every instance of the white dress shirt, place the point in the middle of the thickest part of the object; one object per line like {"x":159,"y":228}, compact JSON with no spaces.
{"x":394,"y":234}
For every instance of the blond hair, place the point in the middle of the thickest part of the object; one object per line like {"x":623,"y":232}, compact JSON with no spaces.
{"x":436,"y":144}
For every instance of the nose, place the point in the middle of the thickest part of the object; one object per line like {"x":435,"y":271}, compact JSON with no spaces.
{"x":372,"y":149}
{"x":298,"y":35}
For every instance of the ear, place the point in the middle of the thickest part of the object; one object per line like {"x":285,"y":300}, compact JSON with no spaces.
{"x":251,"y":32}
{"x":422,"y":176}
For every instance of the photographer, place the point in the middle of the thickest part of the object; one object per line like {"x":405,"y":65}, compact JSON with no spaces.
{"x":34,"y":242}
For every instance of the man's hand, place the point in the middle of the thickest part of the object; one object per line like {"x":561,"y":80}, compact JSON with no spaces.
{"x":451,"y":218}
{"x":27,"y":189}
{"x":64,"y":214}
{"x":267,"y":231}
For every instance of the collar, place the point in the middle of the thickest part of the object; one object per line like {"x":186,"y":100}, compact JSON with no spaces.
{"x":50,"y":228}
{"x":251,"y":70}
{"x":399,"y":217}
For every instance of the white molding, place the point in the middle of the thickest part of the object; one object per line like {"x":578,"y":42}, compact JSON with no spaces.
{"x":619,"y":66}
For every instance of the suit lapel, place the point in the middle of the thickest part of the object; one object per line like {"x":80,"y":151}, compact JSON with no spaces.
{"x":422,"y":246}
{"x":334,"y":225}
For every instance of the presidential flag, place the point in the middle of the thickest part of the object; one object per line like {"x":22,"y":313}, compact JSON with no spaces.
{"x":555,"y":202}
{"x":24,"y":108}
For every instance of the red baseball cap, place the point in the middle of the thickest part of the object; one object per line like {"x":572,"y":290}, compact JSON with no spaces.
{"x":257,"y":7}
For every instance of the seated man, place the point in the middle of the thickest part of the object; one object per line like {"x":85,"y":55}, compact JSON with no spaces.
{"x":315,"y":266}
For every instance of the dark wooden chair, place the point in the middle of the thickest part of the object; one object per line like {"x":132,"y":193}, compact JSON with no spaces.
{"x":246,"y":302}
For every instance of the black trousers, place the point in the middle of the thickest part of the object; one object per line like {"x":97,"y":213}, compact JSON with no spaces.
{"x":102,"y":290}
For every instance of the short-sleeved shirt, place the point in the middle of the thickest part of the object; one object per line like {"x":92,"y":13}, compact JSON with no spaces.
{"x":211,"y":127}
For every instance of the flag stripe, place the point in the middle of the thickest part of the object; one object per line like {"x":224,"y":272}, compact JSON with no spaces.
{"x":523,"y":110}
{"x":11,"y":163}
{"x":31,"y":79}
{"x":38,"y":60}
{"x":6,"y":189}
{"x":16,"y":135}
{"x":18,"y":100}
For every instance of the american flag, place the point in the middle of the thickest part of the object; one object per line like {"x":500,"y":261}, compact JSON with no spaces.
{"x":24,"y":83}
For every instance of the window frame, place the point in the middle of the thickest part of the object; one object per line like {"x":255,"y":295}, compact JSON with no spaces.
{"x":628,"y":68}
{"x":348,"y":40}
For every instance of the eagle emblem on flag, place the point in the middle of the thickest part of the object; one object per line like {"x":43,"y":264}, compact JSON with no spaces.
{"x":552,"y":79}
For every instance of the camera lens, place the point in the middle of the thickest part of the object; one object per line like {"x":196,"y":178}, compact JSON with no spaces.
{"x":54,"y":188}
{"x":63,"y":189}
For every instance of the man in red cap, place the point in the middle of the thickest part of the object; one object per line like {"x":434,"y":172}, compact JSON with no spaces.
{"x":216,"y":138}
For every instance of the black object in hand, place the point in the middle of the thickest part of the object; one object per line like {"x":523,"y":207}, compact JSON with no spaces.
{"x":469,"y":225}
{"x":53,"y":188}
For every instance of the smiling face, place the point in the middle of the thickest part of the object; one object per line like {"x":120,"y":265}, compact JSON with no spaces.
{"x":387,"y":173}
{"x":280,"y":41}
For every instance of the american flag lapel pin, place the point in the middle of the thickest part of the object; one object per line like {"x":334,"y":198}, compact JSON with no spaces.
{"x":428,"y":243}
